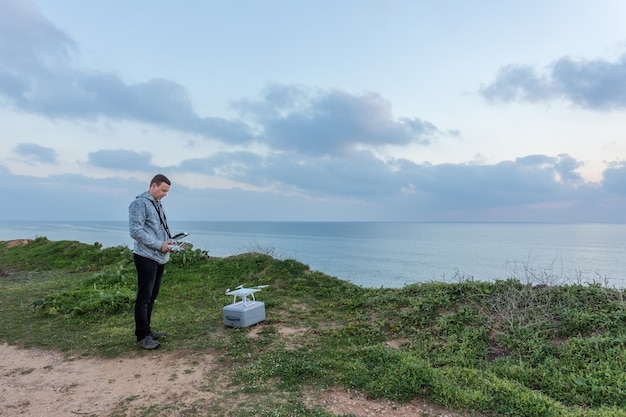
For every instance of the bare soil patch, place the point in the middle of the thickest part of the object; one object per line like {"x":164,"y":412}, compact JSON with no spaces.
{"x":35,"y":383}
{"x":38,"y":383}
{"x":18,"y":242}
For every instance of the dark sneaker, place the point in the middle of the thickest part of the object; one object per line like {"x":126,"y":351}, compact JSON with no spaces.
{"x":148,"y":343}
{"x":157,"y":335}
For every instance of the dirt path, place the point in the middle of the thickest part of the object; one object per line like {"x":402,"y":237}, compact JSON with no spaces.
{"x":37,"y":383}
{"x":41,"y":383}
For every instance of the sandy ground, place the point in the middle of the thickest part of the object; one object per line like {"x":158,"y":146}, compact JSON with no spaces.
{"x":42,"y":383}
{"x":37,"y":383}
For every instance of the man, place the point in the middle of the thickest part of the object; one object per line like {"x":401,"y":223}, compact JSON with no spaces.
{"x":148,"y":227}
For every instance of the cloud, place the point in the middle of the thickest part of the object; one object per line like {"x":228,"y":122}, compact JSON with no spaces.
{"x":39,"y":74}
{"x":121,"y":159}
{"x":592,"y":84}
{"x":36,"y":153}
{"x":29,"y":41}
{"x":518,"y":83}
{"x":359,"y":176}
{"x":530,"y":180}
{"x":530,"y":188}
{"x":535,"y":179}
{"x":614,"y":179}
{"x":301,"y":153}
{"x":331,"y":122}
{"x":67,"y":197}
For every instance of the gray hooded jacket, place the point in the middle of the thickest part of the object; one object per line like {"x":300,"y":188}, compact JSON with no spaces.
{"x":147,"y":229}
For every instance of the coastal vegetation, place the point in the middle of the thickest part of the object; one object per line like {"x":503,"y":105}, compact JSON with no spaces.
{"x":500,"y":348}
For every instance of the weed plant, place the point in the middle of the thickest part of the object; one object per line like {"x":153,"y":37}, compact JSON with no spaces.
{"x":500,"y":348}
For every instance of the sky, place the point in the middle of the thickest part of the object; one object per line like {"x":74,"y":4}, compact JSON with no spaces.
{"x":286,"y":110}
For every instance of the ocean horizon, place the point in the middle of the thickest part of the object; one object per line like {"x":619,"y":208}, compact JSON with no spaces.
{"x":391,"y":254}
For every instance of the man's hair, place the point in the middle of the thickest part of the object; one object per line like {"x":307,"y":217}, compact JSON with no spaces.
{"x":160,"y":178}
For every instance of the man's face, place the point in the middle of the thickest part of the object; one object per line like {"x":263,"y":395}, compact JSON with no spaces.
{"x":159,"y":191}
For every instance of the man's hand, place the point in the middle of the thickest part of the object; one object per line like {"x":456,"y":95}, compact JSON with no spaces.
{"x":165,"y":246}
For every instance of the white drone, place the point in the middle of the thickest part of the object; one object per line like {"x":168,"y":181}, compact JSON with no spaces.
{"x":244,"y":293}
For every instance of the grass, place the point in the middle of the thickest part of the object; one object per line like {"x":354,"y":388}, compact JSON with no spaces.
{"x":501,"y":348}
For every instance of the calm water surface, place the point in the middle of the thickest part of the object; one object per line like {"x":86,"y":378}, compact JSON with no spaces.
{"x":393,"y":254}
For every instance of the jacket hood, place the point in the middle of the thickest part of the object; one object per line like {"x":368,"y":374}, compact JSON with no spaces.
{"x":146,"y":195}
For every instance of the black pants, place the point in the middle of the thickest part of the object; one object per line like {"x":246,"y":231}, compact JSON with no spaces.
{"x":149,"y":276}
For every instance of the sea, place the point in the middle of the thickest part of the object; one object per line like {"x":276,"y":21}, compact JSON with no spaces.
{"x":391,"y":254}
